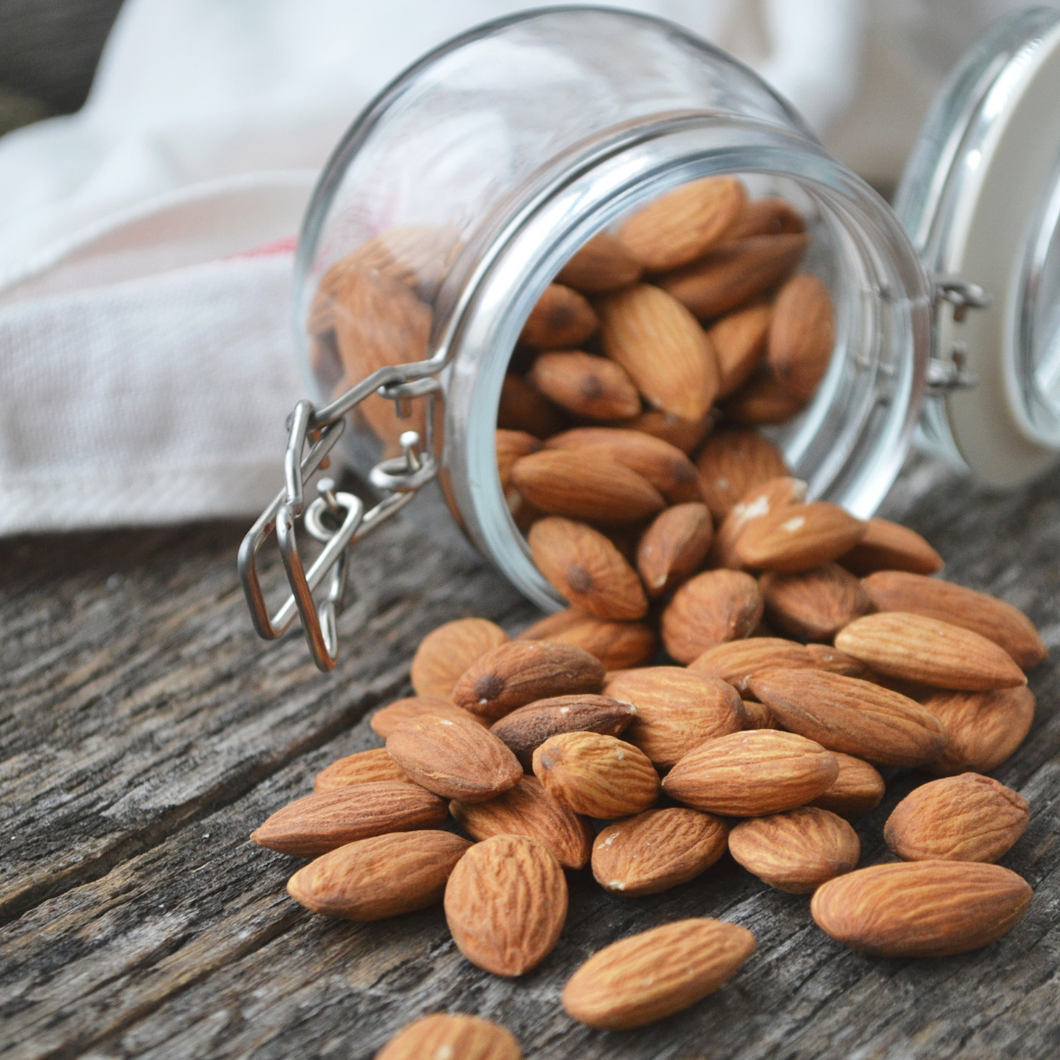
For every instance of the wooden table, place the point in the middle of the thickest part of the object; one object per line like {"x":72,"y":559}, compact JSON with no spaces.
{"x":146,"y":731}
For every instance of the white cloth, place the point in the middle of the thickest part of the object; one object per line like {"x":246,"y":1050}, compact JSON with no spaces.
{"x":147,"y":358}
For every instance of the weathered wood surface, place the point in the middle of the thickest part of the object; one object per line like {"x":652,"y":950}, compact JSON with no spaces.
{"x":144,"y":731}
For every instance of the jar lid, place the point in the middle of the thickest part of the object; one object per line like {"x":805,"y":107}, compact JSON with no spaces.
{"x":980,"y":198}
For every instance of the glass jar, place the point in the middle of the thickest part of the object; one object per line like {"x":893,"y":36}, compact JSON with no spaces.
{"x":483,"y":168}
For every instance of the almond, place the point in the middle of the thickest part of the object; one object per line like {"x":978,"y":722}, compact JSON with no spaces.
{"x":801,"y":335}
{"x":505,"y":903}
{"x":364,"y":767}
{"x":749,"y":774}
{"x":569,"y":483}
{"x":657,"y":850}
{"x":525,"y":729}
{"x":524,"y":670}
{"x":328,"y":819}
{"x":510,"y":446}
{"x":857,"y":789}
{"x":711,"y":608}
{"x":602,"y":264}
{"x":682,"y":225}
{"x":676,"y":709}
{"x":853,"y":716}
{"x":528,"y":810}
{"x":665,"y":466}
{"x":761,"y":401}
{"x":983,"y":614}
{"x":758,"y":501}
{"x":732,"y":463}
{"x":739,"y":340}
{"x":386,"y":720}
{"x":735,"y":272}
{"x":825,"y":657}
{"x":586,"y":385}
{"x":982,"y":728}
{"x":656,"y":973}
{"x":597,"y":775}
{"x":585,"y":568}
{"x":891,"y":546}
{"x":928,"y":651}
{"x":965,"y":818}
{"x":383,"y":876}
{"x":814,"y":604}
{"x":674,"y":547}
{"x":769,"y":216}
{"x":617,"y":645}
{"x":454,"y":757}
{"x":799,"y":539}
{"x":686,"y":435}
{"x":459,"y":1037}
{"x":524,"y":408}
{"x":739,"y":660}
{"x":921,"y":908}
{"x":796,"y":851}
{"x":758,"y":715}
{"x":662,"y":347}
{"x":445,"y":653}
{"x":561,"y":319}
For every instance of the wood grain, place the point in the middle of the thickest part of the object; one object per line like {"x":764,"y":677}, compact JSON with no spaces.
{"x":144,"y":731}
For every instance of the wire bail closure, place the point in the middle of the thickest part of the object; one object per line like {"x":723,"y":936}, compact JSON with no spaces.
{"x":336,"y":519}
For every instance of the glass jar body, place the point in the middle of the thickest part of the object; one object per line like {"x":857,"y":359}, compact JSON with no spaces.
{"x":484,"y":168}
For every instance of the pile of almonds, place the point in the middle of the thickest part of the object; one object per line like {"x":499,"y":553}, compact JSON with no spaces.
{"x":805,"y":650}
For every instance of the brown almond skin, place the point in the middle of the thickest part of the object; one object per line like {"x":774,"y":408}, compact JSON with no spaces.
{"x":454,"y":758}
{"x":656,"y":973}
{"x":525,"y":729}
{"x":459,"y":1037}
{"x":564,"y":482}
{"x":662,"y":347}
{"x":749,"y":774}
{"x":891,"y":546}
{"x":768,"y":216}
{"x":825,"y":657}
{"x":982,"y":728}
{"x":618,"y":645}
{"x":921,"y":908}
{"x":928,"y":651}
{"x":528,"y":810}
{"x":761,"y":401}
{"x":387,"y":719}
{"x":801,"y":335}
{"x":586,"y":385}
{"x":796,"y":851}
{"x":758,"y":715}
{"x":657,"y":850}
{"x":524,"y":408}
{"x":739,"y":660}
{"x":676,"y":709}
{"x":799,"y":539}
{"x":506,"y":903}
{"x":664,"y":465}
{"x":686,"y":435}
{"x":739,"y":340}
{"x":734,"y":461}
{"x":674,"y":547}
{"x":603,"y":264}
{"x":683,"y":224}
{"x":586,"y":569}
{"x":445,"y":653}
{"x":814,"y":604}
{"x":510,"y":446}
{"x":981,"y":613}
{"x":561,"y":319}
{"x":852,"y":716}
{"x":379,"y":877}
{"x":364,"y":767}
{"x":735,"y":272}
{"x":596,"y":775}
{"x":760,"y":500}
{"x":857,"y":789}
{"x":709,"y":609}
{"x":964,"y":818}
{"x":524,"y":670}
{"x":320,"y":822}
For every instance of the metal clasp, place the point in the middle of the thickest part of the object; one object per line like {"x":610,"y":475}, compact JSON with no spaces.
{"x":335,"y":519}
{"x":962,"y":294}
{"x":946,"y":375}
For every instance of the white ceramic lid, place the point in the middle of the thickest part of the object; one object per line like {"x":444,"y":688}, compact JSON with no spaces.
{"x":980,"y":198}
